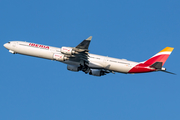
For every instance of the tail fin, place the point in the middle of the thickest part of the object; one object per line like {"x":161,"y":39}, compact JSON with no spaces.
{"x":160,"y":56}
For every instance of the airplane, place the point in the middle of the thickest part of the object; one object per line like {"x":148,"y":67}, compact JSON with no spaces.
{"x":79,"y":59}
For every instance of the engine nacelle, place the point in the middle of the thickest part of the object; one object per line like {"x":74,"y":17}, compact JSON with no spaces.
{"x":60,"y":57}
{"x":68,"y":50}
{"x":96,"y":72}
{"x":73,"y":68}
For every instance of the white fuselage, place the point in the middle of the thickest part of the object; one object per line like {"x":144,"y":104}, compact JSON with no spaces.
{"x":47,"y":52}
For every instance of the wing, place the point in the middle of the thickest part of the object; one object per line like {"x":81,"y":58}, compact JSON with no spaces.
{"x":81,"y":55}
{"x":84,"y":44}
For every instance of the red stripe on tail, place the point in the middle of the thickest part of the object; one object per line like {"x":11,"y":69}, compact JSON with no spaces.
{"x":160,"y":58}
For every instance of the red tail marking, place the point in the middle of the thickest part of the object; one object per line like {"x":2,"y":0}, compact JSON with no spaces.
{"x":160,"y":58}
{"x":140,"y":68}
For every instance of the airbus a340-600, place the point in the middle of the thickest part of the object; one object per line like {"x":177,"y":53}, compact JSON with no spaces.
{"x":79,"y":59}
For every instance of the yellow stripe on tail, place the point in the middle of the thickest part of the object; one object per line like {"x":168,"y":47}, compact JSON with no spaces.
{"x":167,"y":49}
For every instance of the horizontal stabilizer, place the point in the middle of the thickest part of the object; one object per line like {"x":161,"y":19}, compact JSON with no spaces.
{"x":157,"y":65}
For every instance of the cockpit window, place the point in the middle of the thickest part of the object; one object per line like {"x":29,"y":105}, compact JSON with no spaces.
{"x":8,"y":42}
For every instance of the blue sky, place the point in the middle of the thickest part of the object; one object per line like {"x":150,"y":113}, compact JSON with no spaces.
{"x":34,"y":88}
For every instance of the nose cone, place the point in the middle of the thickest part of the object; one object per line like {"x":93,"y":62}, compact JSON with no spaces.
{"x":6,"y":45}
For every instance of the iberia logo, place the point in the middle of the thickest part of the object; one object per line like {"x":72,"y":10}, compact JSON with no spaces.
{"x":66,"y":49}
{"x":38,"y":46}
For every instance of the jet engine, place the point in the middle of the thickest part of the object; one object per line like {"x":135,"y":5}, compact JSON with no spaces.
{"x":60,"y":57}
{"x":68,"y":50}
{"x":73,"y":68}
{"x":96,"y":72}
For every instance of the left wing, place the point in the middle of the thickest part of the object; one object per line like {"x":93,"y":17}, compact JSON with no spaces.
{"x":81,"y":54}
{"x":84,"y":45}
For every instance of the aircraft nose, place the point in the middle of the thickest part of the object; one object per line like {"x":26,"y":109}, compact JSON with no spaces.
{"x":6,"y":45}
